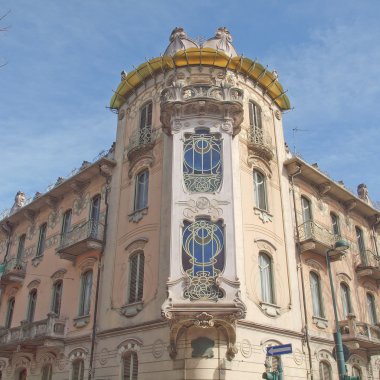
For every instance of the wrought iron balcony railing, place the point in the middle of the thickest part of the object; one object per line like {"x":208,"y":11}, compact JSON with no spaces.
{"x":140,"y":141}
{"x":368,"y":265}
{"x":81,"y":238}
{"x":364,"y":334}
{"x":13,"y":271}
{"x":316,"y":238}
{"x":260,"y":143}
{"x":33,"y":333}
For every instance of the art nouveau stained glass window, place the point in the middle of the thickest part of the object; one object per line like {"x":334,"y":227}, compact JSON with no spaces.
{"x":202,"y":162}
{"x":203,"y":258}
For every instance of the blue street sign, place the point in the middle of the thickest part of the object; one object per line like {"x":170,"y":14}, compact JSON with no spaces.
{"x":279,"y":350}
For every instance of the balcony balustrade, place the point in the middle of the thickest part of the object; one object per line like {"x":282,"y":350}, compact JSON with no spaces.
{"x":260,"y":144}
{"x":360,"y":335}
{"x":141,"y":141}
{"x":46,"y":332}
{"x":369,"y":265}
{"x":80,"y":239}
{"x":13,"y":272}
{"x":316,"y":238}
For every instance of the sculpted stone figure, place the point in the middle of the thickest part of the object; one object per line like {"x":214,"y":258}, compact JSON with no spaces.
{"x":19,"y":201}
{"x":363,"y":192}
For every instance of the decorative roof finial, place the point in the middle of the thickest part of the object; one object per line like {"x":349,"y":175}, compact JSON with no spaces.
{"x":222,"y":41}
{"x":179,"y":41}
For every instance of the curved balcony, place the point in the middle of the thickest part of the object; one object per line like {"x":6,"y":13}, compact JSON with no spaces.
{"x":46,"y":332}
{"x":313,"y":237}
{"x":369,"y":265}
{"x":13,"y":272}
{"x":141,"y":141}
{"x":360,"y":335}
{"x":82,"y":238}
{"x":260,"y":144}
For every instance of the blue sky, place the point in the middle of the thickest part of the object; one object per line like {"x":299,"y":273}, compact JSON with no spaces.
{"x":64,"y":58}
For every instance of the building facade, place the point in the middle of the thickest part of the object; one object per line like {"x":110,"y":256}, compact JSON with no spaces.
{"x":192,"y":245}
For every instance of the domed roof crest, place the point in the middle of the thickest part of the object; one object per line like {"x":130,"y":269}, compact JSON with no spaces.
{"x":222,"y":41}
{"x":179,"y":41}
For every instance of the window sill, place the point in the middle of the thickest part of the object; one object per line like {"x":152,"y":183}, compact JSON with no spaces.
{"x":36,"y":260}
{"x":137,"y":215}
{"x":320,"y":322}
{"x":264,"y":215}
{"x":82,"y":320}
{"x":270,"y":309}
{"x":131,"y":309}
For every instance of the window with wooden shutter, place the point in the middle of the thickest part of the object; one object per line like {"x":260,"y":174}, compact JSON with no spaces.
{"x":136,"y":277}
{"x":130,"y":366}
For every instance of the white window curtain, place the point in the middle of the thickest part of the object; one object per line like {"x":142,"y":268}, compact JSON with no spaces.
{"x":265,"y":267}
{"x":316,"y":295}
{"x":141,"y":190}
{"x":259,"y":185}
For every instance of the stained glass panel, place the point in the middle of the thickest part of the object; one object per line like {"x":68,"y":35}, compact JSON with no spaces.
{"x":202,"y":164}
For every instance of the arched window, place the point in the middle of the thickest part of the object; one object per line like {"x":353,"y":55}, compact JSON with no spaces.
{"x":306,"y":217}
{"x":21,"y":247}
{"x":41,"y":240}
{"x":316,"y":295}
{"x":266,"y":278}
{"x":361,"y":245}
{"x":202,"y":162}
{"x":141,"y":190}
{"x":325,"y":371}
{"x":130,"y":366}
{"x":9,"y":315}
{"x":78,"y":370}
{"x":85,"y":298}
{"x":31,"y":305}
{"x":57,"y":297}
{"x":356,"y":371}
{"x":22,"y":374}
{"x":203,"y":258}
{"x":346,"y":300}
{"x":259,"y":185}
{"x":335,"y":224}
{"x":47,"y":372}
{"x":136,"y":277}
{"x":371,"y":307}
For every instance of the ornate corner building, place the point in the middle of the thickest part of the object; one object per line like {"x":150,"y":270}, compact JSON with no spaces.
{"x":193,"y":244}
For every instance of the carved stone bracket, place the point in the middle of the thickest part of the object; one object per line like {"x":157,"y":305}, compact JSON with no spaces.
{"x":350,"y":204}
{"x":79,"y":187}
{"x":264,"y":216}
{"x":52,"y":202}
{"x":324,"y":188}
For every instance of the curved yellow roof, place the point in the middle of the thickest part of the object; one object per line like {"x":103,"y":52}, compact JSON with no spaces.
{"x":206,"y":57}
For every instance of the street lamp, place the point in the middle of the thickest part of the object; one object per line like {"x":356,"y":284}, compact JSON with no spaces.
{"x":338,"y":248}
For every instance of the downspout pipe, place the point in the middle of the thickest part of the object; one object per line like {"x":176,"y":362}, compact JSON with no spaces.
{"x":91,"y":369}
{"x":307,"y":338}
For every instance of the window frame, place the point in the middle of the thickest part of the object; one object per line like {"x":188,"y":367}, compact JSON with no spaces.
{"x":317,"y":303}
{"x":80,"y":372}
{"x":57,"y":298}
{"x":47,"y":375}
{"x":21,"y":247}
{"x":371,"y":309}
{"x":323,"y":363}
{"x":267,"y":294}
{"x":130,"y":363}
{"x":66,"y":222}
{"x":136,"y":279}
{"x":345,"y":301}
{"x":9,"y":315}
{"x":260,"y":191}
{"x":146,"y":114}
{"x":335,"y":224}
{"x":360,"y":240}
{"x":31,"y":307}
{"x":85,"y":294}
{"x":254,"y":114}
{"x":41,"y":240}
{"x":141,"y":193}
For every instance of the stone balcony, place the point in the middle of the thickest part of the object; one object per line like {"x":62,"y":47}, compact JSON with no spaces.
{"x":360,"y":335}
{"x":318,"y":239}
{"x":48,"y":332}
{"x":368,"y":265}
{"x":260,"y":144}
{"x":83,"y":237}
{"x":13,"y":272}
{"x":141,"y":142}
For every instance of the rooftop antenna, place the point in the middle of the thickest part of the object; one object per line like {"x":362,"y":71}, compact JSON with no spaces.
{"x":295,"y":130}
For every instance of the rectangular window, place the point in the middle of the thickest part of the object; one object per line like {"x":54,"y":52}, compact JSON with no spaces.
{"x":41,"y":240}
{"x":136,"y":278}
{"x":146,"y":116}
{"x":85,"y":300}
{"x":9,"y":316}
{"x":141,"y":190}
{"x":31,"y":305}
{"x":57,"y":297}
{"x":21,"y":247}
